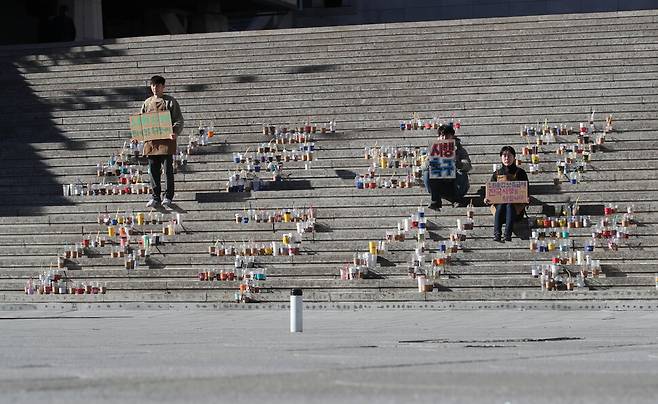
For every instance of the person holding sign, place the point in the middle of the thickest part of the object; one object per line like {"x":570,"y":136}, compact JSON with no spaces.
{"x":507,"y":193}
{"x":445,"y":169}
{"x":160,"y":151}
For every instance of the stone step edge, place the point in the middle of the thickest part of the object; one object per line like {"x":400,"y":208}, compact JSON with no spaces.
{"x":485,"y":304}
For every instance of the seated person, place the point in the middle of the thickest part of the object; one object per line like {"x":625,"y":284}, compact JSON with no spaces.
{"x":508,"y":212}
{"x":451,"y":189}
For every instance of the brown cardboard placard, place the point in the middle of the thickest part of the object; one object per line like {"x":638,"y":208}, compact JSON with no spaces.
{"x":151,"y":125}
{"x":507,"y":192}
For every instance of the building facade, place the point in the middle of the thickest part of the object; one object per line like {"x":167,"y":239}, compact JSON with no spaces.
{"x":34,"y":21}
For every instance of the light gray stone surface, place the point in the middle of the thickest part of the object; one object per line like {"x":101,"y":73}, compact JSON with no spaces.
{"x":66,"y":110}
{"x":384,"y":356}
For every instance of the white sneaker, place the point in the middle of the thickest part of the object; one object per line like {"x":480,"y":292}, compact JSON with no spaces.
{"x":152,"y":203}
{"x":166,"y":202}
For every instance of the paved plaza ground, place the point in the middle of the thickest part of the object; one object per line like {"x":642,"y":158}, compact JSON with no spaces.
{"x":382,"y":356}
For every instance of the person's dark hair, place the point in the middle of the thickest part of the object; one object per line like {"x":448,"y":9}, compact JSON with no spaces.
{"x":155,"y":80}
{"x":508,"y":149}
{"x":446,"y":130}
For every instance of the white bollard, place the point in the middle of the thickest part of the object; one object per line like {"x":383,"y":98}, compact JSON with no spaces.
{"x":296,"y":307}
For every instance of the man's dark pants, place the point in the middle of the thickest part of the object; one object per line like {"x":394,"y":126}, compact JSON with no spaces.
{"x":155,"y":168}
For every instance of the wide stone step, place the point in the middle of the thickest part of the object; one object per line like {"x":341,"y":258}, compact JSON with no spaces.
{"x":330,"y":153}
{"x":327,"y":178}
{"x":282,"y":63}
{"x":323,"y":284}
{"x":577,"y":28}
{"x":579,"y":43}
{"x":597,"y":297}
{"x":22,"y":206}
{"x":196,"y":224}
{"x":129,"y":97}
{"x":301,"y":192}
{"x":493,"y":26}
{"x":340,"y":255}
{"x":492,"y":73}
{"x":307,"y":82}
{"x":236,"y":64}
{"x":340,"y":101}
{"x":372,"y":119}
{"x":317,"y":270}
{"x":563,"y":37}
{"x":326,"y":230}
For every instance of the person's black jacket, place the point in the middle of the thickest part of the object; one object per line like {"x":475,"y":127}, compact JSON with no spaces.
{"x":512,"y":172}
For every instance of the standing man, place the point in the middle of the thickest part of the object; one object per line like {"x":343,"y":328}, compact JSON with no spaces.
{"x":161,"y":151}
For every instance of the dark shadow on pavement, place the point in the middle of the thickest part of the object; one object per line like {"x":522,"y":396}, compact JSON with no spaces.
{"x":312,"y":69}
{"x":213,"y":197}
{"x":246,"y":78}
{"x":29,"y":117}
{"x":288,"y":185}
{"x":345,"y":174}
{"x":323,"y":228}
{"x":385,"y":262}
{"x":176,"y":208}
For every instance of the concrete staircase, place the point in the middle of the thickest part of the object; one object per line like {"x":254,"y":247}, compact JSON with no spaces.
{"x":65,"y":110}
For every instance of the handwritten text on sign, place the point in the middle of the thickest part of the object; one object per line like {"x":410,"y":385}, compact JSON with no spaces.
{"x":150,"y":126}
{"x":507,"y":192}
{"x":442,"y":159}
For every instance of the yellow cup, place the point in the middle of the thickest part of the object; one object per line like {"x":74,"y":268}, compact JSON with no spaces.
{"x":111,"y":231}
{"x":140,"y":219}
{"x":372,"y":247}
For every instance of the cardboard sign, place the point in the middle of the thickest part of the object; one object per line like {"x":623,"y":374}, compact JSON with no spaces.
{"x":441,"y":164}
{"x":150,"y":126}
{"x":507,"y":192}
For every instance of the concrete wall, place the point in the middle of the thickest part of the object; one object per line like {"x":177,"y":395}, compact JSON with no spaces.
{"x":382,"y":11}
{"x":22,"y":25}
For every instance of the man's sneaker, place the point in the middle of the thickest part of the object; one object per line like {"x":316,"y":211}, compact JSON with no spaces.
{"x":153,"y":203}
{"x":434,"y":205}
{"x":508,"y":238}
{"x":166,"y":202}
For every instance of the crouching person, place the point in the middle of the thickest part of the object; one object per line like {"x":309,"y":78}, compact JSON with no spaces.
{"x":451,"y":189}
